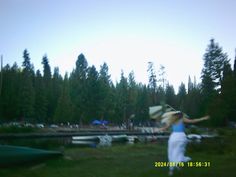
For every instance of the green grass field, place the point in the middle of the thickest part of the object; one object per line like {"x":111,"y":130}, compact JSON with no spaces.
{"x":135,"y":161}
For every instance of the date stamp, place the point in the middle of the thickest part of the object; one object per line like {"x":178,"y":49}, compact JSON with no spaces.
{"x":190,"y":164}
{"x":169,"y":164}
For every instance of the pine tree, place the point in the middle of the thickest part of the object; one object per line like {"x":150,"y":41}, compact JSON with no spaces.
{"x":161,"y":74}
{"x":65,"y":109}
{"x":122,"y":99}
{"x":160,"y":93}
{"x":161,"y":96}
{"x":152,"y":84}
{"x":181,"y":97}
{"x":192,"y":103}
{"x":27,"y":94}
{"x":132,"y":94}
{"x":57,"y":87}
{"x":40,"y":98}
{"x":47,"y":79}
{"x":212,"y":75}
{"x":228,"y":94}
{"x":190,"y":84}
{"x":234,"y":90}
{"x":106,"y":96}
{"x":214,"y":61}
{"x":10,"y":92}
{"x":1,"y":78}
{"x":46,"y":70}
{"x":93,"y":100}
{"x":28,"y":68}
{"x":78,"y":82}
{"x":235,"y":65}
{"x":142,"y":106}
{"x":170,"y":95}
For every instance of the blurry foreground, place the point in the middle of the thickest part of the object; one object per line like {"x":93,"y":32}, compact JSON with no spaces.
{"x":135,"y":160}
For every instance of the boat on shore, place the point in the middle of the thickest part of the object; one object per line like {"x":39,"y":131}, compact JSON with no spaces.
{"x":86,"y":138}
{"x":119,"y":138}
{"x":104,"y":138}
{"x":20,"y":155}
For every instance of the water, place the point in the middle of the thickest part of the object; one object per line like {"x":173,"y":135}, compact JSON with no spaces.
{"x":59,"y":142}
{"x":56,"y":143}
{"x":41,"y":143}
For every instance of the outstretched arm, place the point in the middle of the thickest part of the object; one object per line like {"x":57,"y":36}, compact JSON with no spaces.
{"x":192,"y":121}
{"x":164,"y":128}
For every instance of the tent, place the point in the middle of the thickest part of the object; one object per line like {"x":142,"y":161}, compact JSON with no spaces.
{"x":99,"y":122}
{"x":96,"y":122}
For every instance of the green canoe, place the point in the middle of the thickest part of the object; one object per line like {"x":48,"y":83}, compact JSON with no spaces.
{"x":15,"y":155}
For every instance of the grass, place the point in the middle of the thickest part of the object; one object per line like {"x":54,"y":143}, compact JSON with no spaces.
{"x":134,"y":161}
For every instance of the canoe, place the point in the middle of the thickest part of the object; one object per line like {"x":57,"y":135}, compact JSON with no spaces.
{"x":209,"y":136}
{"x":86,"y":138}
{"x":120,"y":138}
{"x":79,"y":142}
{"x":19,"y":155}
{"x":84,"y":143}
{"x":105,"y":138}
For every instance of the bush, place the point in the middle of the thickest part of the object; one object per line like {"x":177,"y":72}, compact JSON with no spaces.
{"x":15,"y":129}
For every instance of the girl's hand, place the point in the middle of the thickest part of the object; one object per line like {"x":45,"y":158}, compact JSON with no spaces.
{"x":206,"y":117}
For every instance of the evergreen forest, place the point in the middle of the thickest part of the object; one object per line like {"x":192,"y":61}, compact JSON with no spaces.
{"x":88,"y":93}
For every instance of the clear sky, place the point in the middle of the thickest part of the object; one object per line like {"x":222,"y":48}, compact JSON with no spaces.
{"x":126,"y":34}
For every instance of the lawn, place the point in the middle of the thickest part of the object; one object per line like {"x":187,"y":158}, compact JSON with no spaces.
{"x":135,"y":161}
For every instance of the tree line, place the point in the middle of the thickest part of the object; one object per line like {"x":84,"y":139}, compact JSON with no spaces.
{"x":87,"y":93}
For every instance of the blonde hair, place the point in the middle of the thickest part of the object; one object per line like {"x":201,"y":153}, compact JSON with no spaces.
{"x":172,"y":117}
{"x":175,"y":119}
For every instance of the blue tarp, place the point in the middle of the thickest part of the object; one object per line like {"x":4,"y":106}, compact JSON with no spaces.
{"x":99,"y":122}
{"x":104,"y":122}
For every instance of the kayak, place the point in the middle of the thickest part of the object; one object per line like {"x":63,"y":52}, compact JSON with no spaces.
{"x":15,"y":155}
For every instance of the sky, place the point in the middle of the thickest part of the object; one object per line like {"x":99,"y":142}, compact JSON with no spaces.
{"x":126,"y":34}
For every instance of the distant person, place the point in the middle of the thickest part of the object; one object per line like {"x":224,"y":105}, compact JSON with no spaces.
{"x":177,"y":141}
